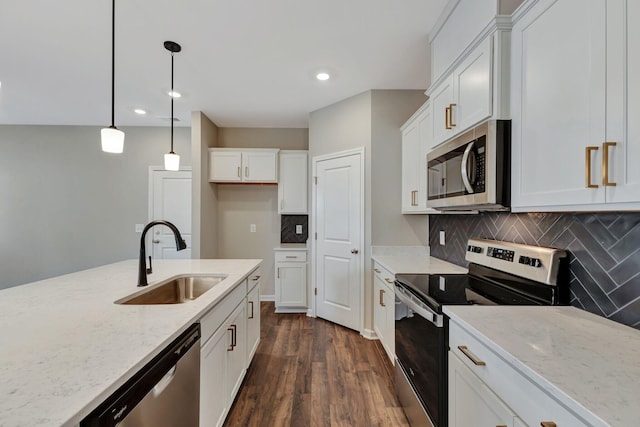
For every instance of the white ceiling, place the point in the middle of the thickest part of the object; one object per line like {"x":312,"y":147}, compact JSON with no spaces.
{"x":244,"y":63}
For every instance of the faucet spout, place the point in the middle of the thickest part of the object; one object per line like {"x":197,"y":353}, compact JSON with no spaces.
{"x":142,"y":270}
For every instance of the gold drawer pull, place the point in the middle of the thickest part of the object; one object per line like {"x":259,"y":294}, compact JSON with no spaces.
{"x":386,"y":279}
{"x":587,"y":166}
{"x":548,"y":424}
{"x":447,"y":113}
{"x":605,"y":164}
{"x":291,"y":256}
{"x":451,"y":115}
{"x":382,"y":298}
{"x":474,"y":359}
{"x":376,"y":270}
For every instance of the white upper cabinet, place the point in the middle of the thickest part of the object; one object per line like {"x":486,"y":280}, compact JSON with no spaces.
{"x":417,"y":139}
{"x":292,"y":182}
{"x":466,"y":96}
{"x":574,"y":100}
{"x":243,"y":165}
{"x":459,"y":25}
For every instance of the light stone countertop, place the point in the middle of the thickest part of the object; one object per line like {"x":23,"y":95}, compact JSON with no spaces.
{"x":417,"y":264}
{"x":291,"y":247}
{"x":582,"y":360}
{"x":65,"y":346}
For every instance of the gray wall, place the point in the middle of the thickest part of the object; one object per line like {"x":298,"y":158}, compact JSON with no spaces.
{"x":240,"y":205}
{"x":204,"y":134}
{"x":390,"y":109}
{"x":604,"y":252}
{"x":372,"y":120}
{"x":67,"y":206}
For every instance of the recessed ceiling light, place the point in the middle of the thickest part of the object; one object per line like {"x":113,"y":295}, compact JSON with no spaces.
{"x":174,"y":94}
{"x":140,"y":111}
{"x":322,"y":76}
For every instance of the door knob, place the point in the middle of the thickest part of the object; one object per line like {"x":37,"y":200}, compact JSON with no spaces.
{"x":354,"y":251}
{"x":156,"y":241}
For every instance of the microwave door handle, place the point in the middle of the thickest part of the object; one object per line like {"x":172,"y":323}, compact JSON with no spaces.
{"x":463,"y":169}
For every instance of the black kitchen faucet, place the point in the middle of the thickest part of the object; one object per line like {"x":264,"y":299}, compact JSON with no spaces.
{"x":143,"y":270}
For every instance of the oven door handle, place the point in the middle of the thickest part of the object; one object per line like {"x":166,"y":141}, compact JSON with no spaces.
{"x":464,"y":169}
{"x":418,"y":307}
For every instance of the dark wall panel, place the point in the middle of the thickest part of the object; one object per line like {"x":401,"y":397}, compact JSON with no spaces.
{"x":604,"y":251}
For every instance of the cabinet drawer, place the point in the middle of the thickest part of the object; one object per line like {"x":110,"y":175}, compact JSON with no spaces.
{"x":384,"y":275}
{"x":254,"y":279}
{"x":217,"y":315}
{"x":525,"y":397}
{"x":291,"y":256}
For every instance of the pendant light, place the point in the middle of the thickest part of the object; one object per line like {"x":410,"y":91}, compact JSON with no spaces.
{"x":112,"y":137}
{"x":171,"y":159}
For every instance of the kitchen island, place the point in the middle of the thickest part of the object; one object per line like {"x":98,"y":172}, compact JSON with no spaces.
{"x":66,"y":346}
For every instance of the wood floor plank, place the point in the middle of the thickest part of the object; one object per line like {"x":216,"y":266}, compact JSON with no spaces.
{"x":310,"y":372}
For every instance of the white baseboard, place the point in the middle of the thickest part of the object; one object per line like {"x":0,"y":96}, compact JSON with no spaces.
{"x":267,"y":297}
{"x":369,"y":334}
{"x":290,"y":310}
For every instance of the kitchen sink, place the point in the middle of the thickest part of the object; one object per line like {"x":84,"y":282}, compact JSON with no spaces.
{"x":175,"y":291}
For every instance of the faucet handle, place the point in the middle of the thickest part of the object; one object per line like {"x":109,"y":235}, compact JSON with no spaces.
{"x":150,"y":269}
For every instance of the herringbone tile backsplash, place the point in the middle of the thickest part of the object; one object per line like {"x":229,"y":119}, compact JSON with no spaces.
{"x":604,"y":252}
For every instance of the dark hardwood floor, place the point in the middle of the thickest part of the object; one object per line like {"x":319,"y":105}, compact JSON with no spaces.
{"x":310,"y":372}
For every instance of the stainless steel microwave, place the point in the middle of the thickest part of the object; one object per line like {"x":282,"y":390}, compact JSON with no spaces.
{"x":472,"y":171}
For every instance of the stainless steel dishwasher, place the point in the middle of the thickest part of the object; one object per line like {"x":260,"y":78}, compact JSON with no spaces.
{"x":165,"y":393}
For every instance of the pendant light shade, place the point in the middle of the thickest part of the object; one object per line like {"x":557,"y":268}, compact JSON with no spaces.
{"x":112,"y":137}
{"x":171,"y":159}
{"x":112,"y":140}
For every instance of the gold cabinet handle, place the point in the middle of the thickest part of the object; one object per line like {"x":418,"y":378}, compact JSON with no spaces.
{"x":587,"y":166}
{"x":414,"y":193}
{"x":471,"y":356}
{"x":382,"y":304}
{"x":451,"y":114}
{"x":547,"y":424}
{"x":447,"y":113}
{"x":605,"y":164}
{"x":386,"y":279}
{"x":291,"y":256}
{"x":376,"y":270}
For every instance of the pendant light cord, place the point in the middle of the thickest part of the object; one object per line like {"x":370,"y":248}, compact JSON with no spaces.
{"x":113,"y":61}
{"x":172,"y":96}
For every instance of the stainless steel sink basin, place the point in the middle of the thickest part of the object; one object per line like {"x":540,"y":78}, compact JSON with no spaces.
{"x":175,"y":291}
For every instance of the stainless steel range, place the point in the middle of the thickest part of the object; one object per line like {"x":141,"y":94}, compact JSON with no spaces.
{"x":500,"y":273}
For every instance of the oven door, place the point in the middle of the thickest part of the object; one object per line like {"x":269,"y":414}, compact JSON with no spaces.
{"x":421,"y":368}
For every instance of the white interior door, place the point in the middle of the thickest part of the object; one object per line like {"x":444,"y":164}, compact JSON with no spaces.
{"x":171,"y":201}
{"x":339,"y":219}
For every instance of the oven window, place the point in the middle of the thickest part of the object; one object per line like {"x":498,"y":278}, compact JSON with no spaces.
{"x":420,"y":348}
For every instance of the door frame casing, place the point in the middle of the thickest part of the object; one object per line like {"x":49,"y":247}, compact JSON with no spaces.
{"x":312,"y":312}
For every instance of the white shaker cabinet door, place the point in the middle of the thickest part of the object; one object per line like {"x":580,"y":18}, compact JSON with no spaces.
{"x":623,"y":101}
{"x":471,"y":402}
{"x":225,"y":166}
{"x":558,"y":103}
{"x":214,"y":400}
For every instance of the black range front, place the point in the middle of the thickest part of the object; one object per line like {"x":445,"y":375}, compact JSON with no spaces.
{"x":525,"y":276}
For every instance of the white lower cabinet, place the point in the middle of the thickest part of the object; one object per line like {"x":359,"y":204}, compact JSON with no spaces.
{"x":486,"y":390}
{"x":230,"y":336}
{"x":471,"y":402}
{"x":291,"y":281}
{"x":253,"y":322}
{"x":384,"y":309}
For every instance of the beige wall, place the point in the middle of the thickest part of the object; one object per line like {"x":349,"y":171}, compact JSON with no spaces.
{"x":204,"y":134}
{"x":67,"y":206}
